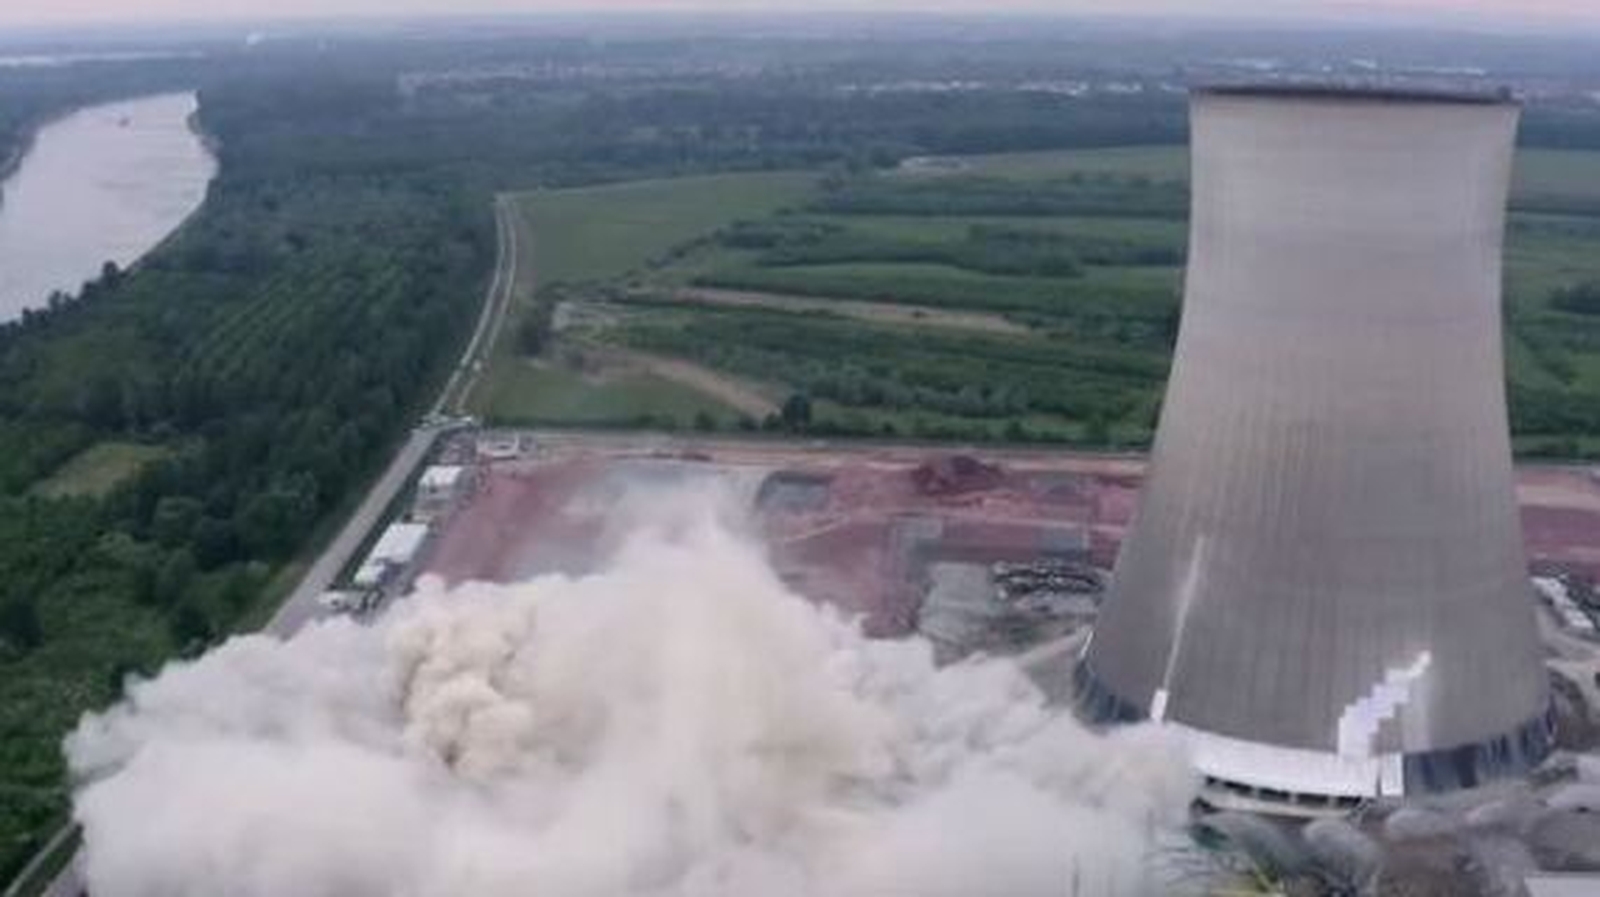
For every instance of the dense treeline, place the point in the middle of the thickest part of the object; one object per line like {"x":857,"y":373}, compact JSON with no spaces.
{"x":31,"y":95}
{"x":1134,"y":305}
{"x":1557,"y":408}
{"x":885,"y":368}
{"x":1579,"y":299}
{"x":1078,"y":195}
{"x":274,"y":348}
{"x":984,"y":248}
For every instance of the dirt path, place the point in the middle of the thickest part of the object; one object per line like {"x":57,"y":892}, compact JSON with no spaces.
{"x":730,"y":391}
{"x":876,"y":312}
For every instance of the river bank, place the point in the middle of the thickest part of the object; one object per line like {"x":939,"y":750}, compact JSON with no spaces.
{"x":107,"y":182}
{"x":13,"y":159}
{"x":27,"y":136}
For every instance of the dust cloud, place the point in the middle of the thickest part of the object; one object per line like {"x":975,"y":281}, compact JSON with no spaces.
{"x":679,"y":724}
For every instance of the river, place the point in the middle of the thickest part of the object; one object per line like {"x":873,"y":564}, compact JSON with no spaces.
{"x":104,"y":183}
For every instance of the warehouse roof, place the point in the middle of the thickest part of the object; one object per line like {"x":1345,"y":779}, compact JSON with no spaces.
{"x":442,"y":476}
{"x":399,"y":543}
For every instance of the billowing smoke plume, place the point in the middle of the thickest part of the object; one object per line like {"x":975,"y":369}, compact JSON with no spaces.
{"x":678,"y":725}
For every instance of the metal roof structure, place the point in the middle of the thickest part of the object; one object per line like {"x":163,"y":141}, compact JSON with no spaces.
{"x":399,"y":543}
{"x":1575,"y":884}
{"x":396,"y":547}
{"x":441,"y":477}
{"x":1324,"y":587}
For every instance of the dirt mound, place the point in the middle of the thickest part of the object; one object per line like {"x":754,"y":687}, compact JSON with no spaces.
{"x":954,"y":475}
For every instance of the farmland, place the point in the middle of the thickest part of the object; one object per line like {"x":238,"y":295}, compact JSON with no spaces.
{"x":1052,"y":279}
{"x":598,"y":235}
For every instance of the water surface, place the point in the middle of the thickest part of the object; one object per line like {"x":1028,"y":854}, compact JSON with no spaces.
{"x":106,"y":183}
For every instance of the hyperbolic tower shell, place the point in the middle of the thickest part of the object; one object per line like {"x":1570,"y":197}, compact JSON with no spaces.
{"x":1325,"y":588}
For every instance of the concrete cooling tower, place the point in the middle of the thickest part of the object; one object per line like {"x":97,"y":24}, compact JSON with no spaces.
{"x":1324,"y":590}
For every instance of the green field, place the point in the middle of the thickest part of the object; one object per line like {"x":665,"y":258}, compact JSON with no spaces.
{"x":607,"y":234}
{"x":600,"y":232}
{"x":1082,"y":248}
{"x":97,"y":470}
{"x":556,"y":395}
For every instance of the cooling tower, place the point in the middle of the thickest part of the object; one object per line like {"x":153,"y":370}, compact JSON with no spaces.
{"x":1324,"y":589}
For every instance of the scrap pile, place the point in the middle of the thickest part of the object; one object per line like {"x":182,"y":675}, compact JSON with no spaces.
{"x":1048,"y":587}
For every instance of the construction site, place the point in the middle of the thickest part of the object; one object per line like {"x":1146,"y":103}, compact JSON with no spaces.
{"x":997,"y":552}
{"x":1001,"y":552}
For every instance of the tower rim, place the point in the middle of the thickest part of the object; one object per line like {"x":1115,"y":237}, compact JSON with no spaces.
{"x":1332,"y":91}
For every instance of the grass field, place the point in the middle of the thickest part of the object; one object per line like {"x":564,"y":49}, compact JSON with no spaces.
{"x":601,"y":232}
{"x":606,"y":234}
{"x":555,"y":395}
{"x":97,"y":470}
{"x":1137,"y":292}
{"x":1080,"y":251}
{"x":1155,"y":162}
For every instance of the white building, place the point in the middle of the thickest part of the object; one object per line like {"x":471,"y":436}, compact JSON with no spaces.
{"x":394,"y":550}
{"x":503,"y":445}
{"x":1555,"y":884}
{"x":341,"y":601}
{"x":440,"y":487}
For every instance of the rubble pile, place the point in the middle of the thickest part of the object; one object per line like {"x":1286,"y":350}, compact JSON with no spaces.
{"x":1047,"y":588}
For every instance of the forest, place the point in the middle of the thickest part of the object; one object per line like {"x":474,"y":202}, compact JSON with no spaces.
{"x":269,"y":356}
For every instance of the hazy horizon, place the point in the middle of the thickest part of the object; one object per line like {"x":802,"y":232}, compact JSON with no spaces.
{"x":1518,"y":14}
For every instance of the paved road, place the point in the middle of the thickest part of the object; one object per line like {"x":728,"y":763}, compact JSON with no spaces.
{"x":68,"y":882}
{"x":453,"y":398}
{"x":301,"y":607}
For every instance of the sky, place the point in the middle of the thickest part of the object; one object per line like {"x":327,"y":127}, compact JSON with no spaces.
{"x":1526,"y":13}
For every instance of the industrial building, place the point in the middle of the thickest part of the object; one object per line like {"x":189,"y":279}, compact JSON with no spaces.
{"x":390,"y":555}
{"x":343,"y":601}
{"x":501,"y":445}
{"x":1324,"y":589}
{"x":439,"y":490}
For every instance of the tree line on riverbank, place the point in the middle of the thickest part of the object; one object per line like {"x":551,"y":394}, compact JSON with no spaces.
{"x":273,"y":349}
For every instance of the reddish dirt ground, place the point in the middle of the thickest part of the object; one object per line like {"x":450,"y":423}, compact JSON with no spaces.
{"x":518,"y":522}
{"x":874,"y":517}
